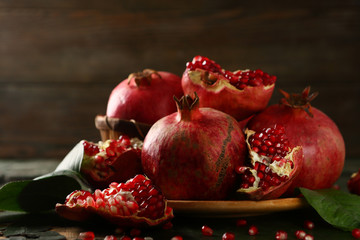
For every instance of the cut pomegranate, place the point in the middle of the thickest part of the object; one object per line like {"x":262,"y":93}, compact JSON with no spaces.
{"x":240,"y":93}
{"x":111,"y":161}
{"x":356,"y":233}
{"x":281,"y":235}
{"x":132,"y":204}
{"x":300,"y":234}
{"x":273,"y":164}
{"x":207,"y":231}
{"x":253,"y":230}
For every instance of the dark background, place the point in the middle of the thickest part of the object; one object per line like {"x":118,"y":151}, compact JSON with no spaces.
{"x":59,"y":60}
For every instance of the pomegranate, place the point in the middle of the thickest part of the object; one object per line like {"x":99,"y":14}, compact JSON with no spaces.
{"x":144,"y":96}
{"x":322,"y":143}
{"x":274,"y":163}
{"x":353,"y":183}
{"x":135,"y":203}
{"x":192,"y":154}
{"x":240,"y":93}
{"x":111,"y":161}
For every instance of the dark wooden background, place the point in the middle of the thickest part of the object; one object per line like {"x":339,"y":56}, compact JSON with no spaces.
{"x":59,"y":60}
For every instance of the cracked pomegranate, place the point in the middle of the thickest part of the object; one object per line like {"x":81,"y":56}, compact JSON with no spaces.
{"x":192,"y":154}
{"x":240,"y":93}
{"x":322,"y":143}
{"x":274,"y":163}
{"x":135,"y":203}
{"x":144,"y":96}
{"x":111,"y":161}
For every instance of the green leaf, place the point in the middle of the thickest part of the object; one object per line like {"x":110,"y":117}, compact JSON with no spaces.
{"x":40,"y":194}
{"x":73,"y":159}
{"x":340,"y":209}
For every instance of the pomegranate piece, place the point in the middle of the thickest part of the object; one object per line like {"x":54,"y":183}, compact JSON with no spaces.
{"x":322,"y":143}
{"x":145,"y":96}
{"x":135,"y":203}
{"x":111,"y":161}
{"x":192,"y":154}
{"x":353,"y":183}
{"x":356,"y":233}
{"x":240,"y":93}
{"x":274,"y":163}
{"x":281,"y":235}
{"x":206,"y":231}
{"x":253,"y":230}
{"x":228,"y":236}
{"x":309,"y":224}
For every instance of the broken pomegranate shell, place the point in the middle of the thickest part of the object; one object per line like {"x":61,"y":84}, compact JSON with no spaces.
{"x":273,"y":164}
{"x":111,"y":161}
{"x":135,"y":203}
{"x":240,"y":93}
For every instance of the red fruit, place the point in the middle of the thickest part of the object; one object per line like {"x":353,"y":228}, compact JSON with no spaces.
{"x":356,"y":233}
{"x":110,"y":237}
{"x":111,"y":161}
{"x":86,"y":236}
{"x":134,"y":203}
{"x":353,"y":183}
{"x":192,"y":154}
{"x":241,"y":222}
{"x":145,"y":96}
{"x":177,"y":238}
{"x":274,"y":163}
{"x":322,"y":143}
{"x":206,"y":231}
{"x":228,"y":236}
{"x":300,"y":234}
{"x":253,"y":230}
{"x":309,"y":237}
{"x":309,"y":224}
{"x":240,"y":93}
{"x":281,"y":235}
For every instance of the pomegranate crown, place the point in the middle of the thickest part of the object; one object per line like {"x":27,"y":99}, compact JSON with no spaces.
{"x":301,"y":101}
{"x":186,"y":102}
{"x":144,"y":77}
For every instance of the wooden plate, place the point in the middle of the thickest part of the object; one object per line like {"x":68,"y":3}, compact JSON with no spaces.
{"x":235,"y":208}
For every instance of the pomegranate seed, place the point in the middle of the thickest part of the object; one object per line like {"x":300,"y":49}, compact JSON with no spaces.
{"x":228,"y":236}
{"x":241,"y":222}
{"x":126,"y":238}
{"x":309,"y":237}
{"x":206,"y":231}
{"x":135,"y":232}
{"x":86,"y":235}
{"x":253,"y":230}
{"x":281,"y":235}
{"x":300,"y":234}
{"x":177,"y":238}
{"x":138,"y":238}
{"x":356,"y":233}
{"x":309,"y":224}
{"x":110,"y":237}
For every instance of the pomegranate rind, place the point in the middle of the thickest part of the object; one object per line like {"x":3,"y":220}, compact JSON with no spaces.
{"x":273,"y":192}
{"x":82,"y":214}
{"x":225,"y":97}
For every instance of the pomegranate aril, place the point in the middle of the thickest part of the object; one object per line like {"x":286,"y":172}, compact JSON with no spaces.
{"x":356,"y":233}
{"x":309,"y":224}
{"x":300,"y":234}
{"x":176,"y":238}
{"x":309,"y":237}
{"x":86,"y":236}
{"x":281,"y":235}
{"x":207,"y":231}
{"x":253,"y":230}
{"x":228,"y":236}
{"x":110,"y":237}
{"x":241,"y":222}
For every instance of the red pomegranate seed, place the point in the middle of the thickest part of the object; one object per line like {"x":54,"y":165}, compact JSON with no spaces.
{"x":300,"y":234}
{"x":356,"y":233}
{"x":253,"y":230}
{"x":138,"y":238}
{"x":110,"y":237}
{"x":86,"y":236}
{"x":309,"y":224}
{"x":206,"y":231}
{"x":281,"y":235}
{"x":177,"y":238}
{"x":241,"y":222}
{"x":228,"y":236}
{"x":309,"y":237}
{"x":126,"y":238}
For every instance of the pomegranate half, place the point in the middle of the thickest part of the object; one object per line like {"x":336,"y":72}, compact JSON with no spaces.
{"x":192,"y":154}
{"x":240,"y":93}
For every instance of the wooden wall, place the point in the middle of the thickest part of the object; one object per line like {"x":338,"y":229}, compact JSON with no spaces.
{"x":60,"y":59}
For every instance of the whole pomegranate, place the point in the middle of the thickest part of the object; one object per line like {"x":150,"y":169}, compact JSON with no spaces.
{"x":192,"y":154}
{"x":322,"y":143}
{"x":111,"y":161}
{"x":137,"y":202}
{"x":144,"y":96}
{"x":240,"y":93}
{"x":274,"y":163}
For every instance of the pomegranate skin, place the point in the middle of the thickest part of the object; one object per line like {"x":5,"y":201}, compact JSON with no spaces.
{"x":192,"y":154}
{"x":322,"y":143}
{"x":145,"y":97}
